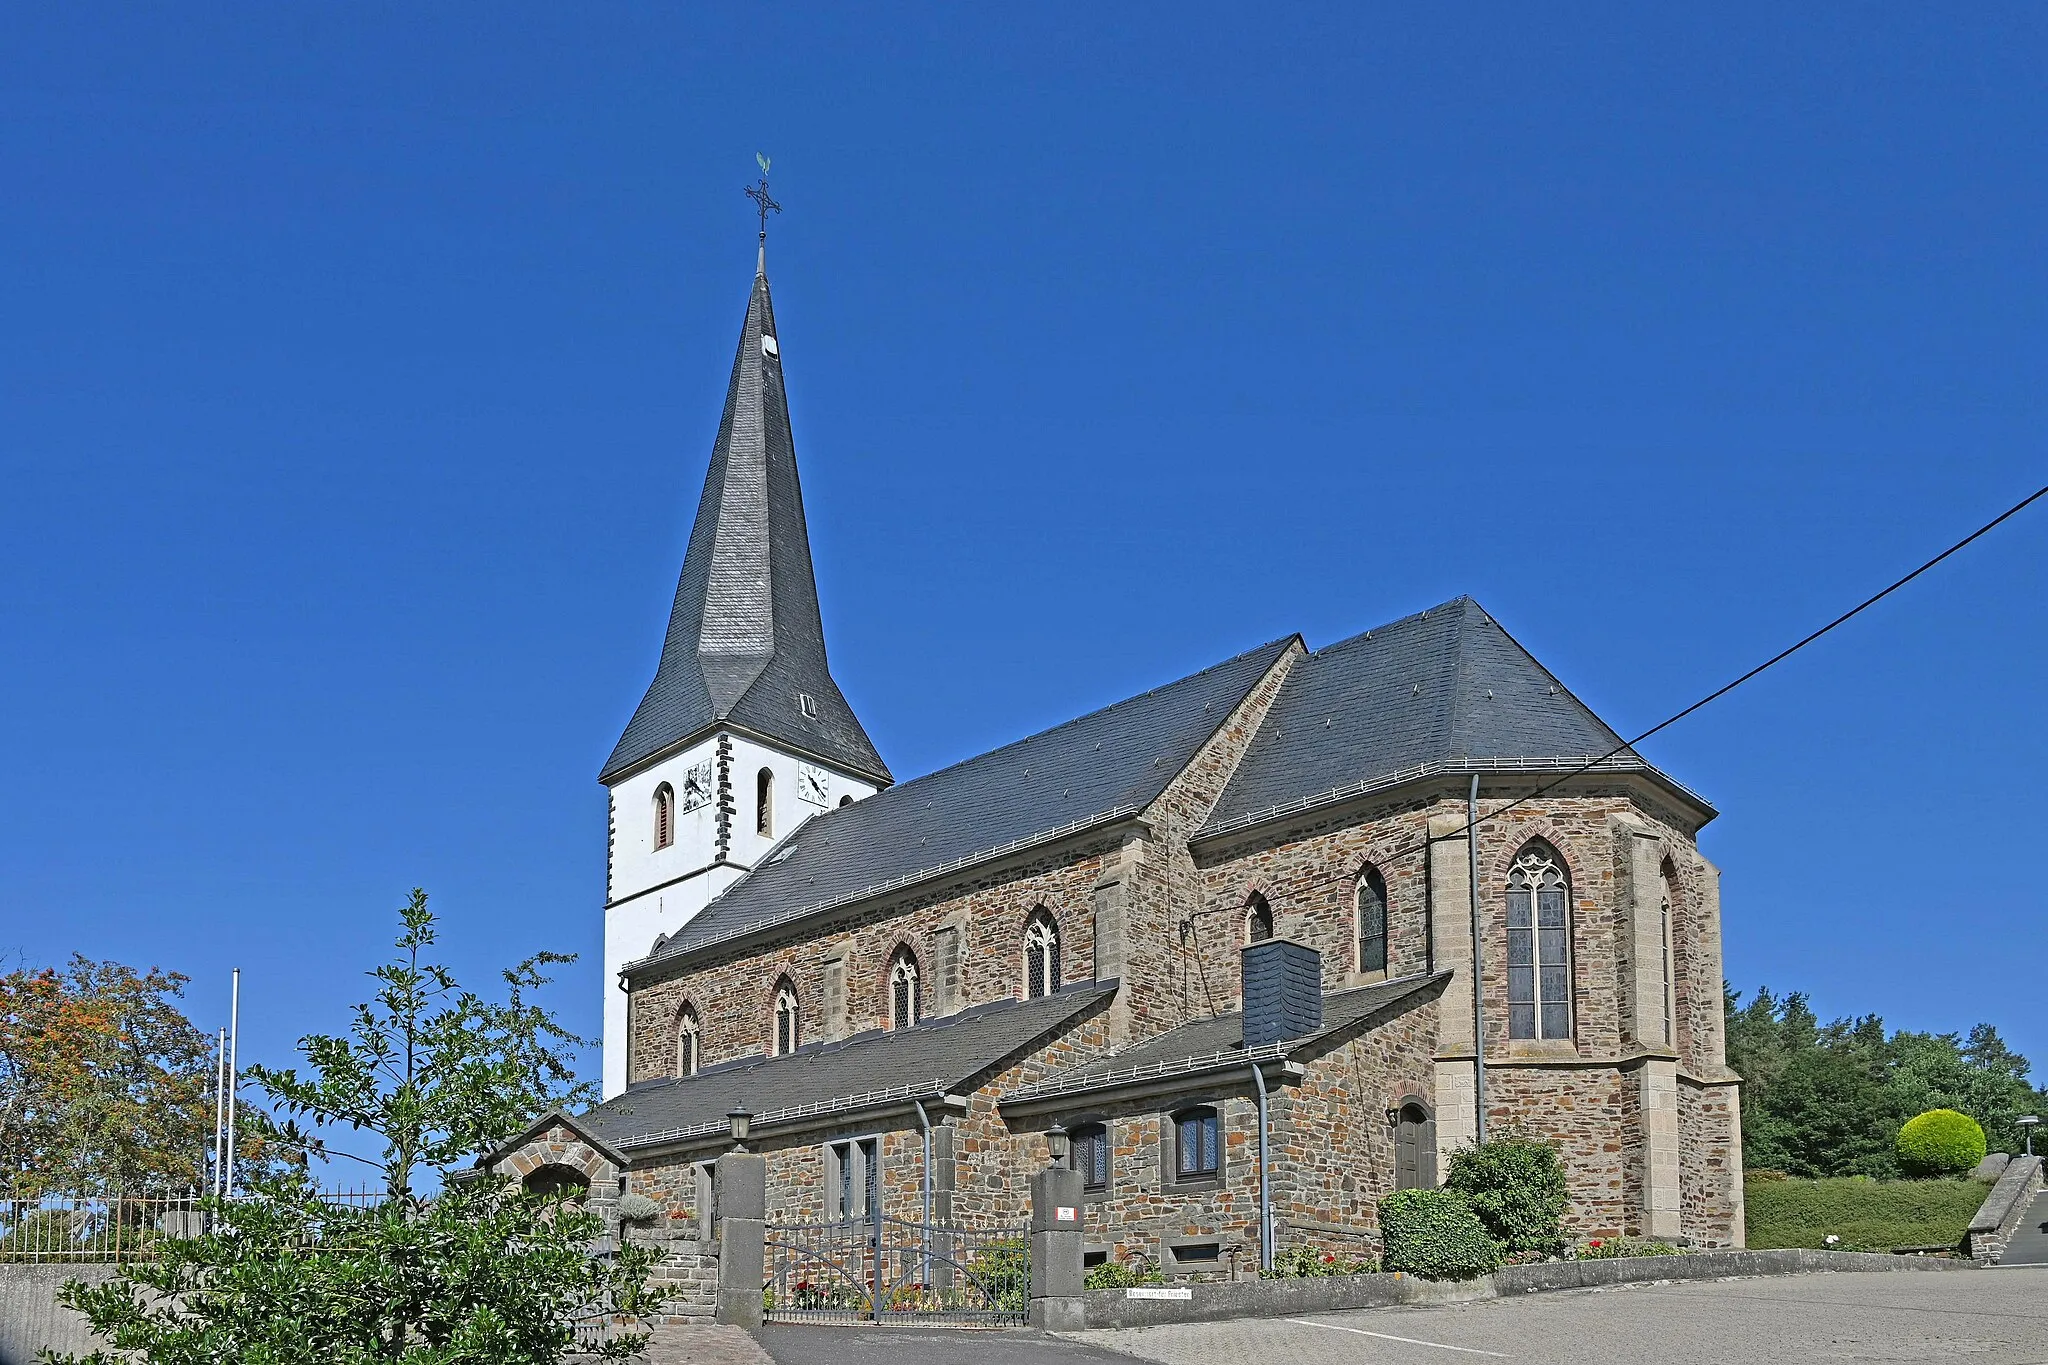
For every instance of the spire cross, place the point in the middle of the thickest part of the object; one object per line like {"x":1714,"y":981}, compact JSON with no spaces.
{"x":762,"y":202}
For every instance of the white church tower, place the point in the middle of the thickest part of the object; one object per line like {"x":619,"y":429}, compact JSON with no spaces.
{"x":742,"y":735}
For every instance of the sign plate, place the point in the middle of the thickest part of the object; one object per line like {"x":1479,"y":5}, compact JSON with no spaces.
{"x":1063,"y":1213}
{"x":1159,"y":1293}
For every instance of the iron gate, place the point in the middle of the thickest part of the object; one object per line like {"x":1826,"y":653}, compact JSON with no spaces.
{"x":887,"y":1270}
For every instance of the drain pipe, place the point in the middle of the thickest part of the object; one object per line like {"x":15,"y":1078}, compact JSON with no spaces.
{"x":924,"y":1121}
{"x":1265,"y":1179}
{"x":1478,"y":994}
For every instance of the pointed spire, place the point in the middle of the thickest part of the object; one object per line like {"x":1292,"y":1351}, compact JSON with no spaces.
{"x":745,"y":644}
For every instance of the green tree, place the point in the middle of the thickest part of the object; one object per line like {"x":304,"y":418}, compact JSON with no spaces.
{"x":453,"y":1268}
{"x":1829,"y":1099}
{"x":105,"y":1085}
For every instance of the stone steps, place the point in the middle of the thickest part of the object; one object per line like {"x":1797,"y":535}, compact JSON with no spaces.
{"x":2029,"y":1245}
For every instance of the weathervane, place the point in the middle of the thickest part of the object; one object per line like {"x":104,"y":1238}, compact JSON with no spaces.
{"x":759,"y":194}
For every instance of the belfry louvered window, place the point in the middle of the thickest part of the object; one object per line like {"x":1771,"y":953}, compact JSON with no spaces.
{"x":664,"y":815}
{"x":1041,"y":955}
{"x":1372,"y":922}
{"x":906,"y":1003}
{"x":1539,"y":946}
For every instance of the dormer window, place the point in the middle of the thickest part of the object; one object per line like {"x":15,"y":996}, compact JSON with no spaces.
{"x":807,"y":704}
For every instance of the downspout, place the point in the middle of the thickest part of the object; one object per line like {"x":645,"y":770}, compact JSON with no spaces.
{"x":1478,"y":994}
{"x":925,"y":1233}
{"x":1428,"y":903}
{"x":1265,"y":1178}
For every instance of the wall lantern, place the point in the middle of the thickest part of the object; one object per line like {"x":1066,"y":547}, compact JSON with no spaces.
{"x":739,"y":1123}
{"x":1393,"y":1116}
{"x":1058,"y":1144}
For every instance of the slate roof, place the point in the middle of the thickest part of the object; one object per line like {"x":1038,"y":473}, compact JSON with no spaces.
{"x":1105,"y":765}
{"x":744,"y":637}
{"x":1218,"y":1043}
{"x":939,"y":1056}
{"x":1446,"y":686}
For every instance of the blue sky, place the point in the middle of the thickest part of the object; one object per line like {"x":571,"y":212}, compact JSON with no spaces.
{"x":358,"y":368}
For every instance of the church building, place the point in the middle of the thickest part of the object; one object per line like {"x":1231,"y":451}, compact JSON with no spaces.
{"x":1219,"y":944}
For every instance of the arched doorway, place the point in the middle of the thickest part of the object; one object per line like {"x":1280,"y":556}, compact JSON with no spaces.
{"x":1414,"y":1146}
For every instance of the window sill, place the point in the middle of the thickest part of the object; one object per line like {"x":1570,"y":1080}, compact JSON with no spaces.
{"x":1194,"y":1184}
{"x":1538,"y":1048}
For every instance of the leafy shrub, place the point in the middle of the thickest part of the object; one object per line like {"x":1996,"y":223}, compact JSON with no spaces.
{"x":1609,"y":1248}
{"x":1516,"y":1187}
{"x":1866,"y":1215}
{"x":635,"y":1207}
{"x":1435,"y":1234}
{"x":1123,"y":1274}
{"x":1308,"y":1263}
{"x":1940,"y":1142}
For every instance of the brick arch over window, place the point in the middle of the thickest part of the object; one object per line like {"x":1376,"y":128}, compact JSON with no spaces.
{"x":905,"y":988}
{"x":785,"y":1018}
{"x":1258,"y":919}
{"x":689,"y":1040}
{"x":1042,"y":963}
{"x":1538,"y":893}
{"x":1370,"y":919}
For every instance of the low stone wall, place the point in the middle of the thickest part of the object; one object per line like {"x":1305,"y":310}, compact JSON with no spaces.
{"x":1288,"y":1298}
{"x":30,"y":1318}
{"x":2003,"y":1208}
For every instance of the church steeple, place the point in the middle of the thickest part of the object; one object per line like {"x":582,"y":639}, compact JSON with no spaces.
{"x":745,"y":647}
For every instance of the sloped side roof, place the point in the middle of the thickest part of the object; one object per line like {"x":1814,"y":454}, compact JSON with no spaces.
{"x":745,"y":639}
{"x":1111,"y":762}
{"x":939,"y":1056}
{"x":1445,"y":686}
{"x":1217,"y":1042}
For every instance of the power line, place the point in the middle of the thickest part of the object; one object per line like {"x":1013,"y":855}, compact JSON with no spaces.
{"x":1778,"y":658}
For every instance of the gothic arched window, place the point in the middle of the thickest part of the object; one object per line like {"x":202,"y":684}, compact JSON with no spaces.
{"x":689,"y":1042}
{"x":764,"y":804}
{"x":664,"y":815}
{"x":1372,"y":922}
{"x":785,"y":1017}
{"x":1258,"y":919}
{"x":1539,"y":945}
{"x":906,"y":998}
{"x":1041,"y":954}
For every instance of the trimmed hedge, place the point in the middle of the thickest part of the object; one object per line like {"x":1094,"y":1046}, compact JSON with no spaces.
{"x":1516,"y":1187}
{"x":1940,"y":1142}
{"x":1434,"y":1234}
{"x":1866,"y":1215}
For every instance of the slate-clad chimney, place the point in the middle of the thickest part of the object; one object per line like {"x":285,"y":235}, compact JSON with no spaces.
{"x":1283,"y":991}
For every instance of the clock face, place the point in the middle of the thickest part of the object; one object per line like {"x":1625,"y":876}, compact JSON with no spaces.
{"x":697,"y":785}
{"x":813,"y":785}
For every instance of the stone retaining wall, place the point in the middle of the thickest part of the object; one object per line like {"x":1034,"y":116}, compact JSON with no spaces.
{"x":30,"y":1318}
{"x":1999,"y":1216}
{"x":1285,"y":1298}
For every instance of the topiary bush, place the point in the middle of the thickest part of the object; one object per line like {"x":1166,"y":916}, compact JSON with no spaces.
{"x":1516,"y":1187}
{"x":1940,"y":1142}
{"x":1434,"y":1234}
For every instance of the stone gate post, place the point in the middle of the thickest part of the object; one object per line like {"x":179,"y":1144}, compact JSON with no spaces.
{"x":740,"y":1198}
{"x":1056,"y":1276}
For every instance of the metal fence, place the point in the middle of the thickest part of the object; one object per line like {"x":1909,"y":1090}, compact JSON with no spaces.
{"x":891,"y":1271}
{"x":86,"y":1228}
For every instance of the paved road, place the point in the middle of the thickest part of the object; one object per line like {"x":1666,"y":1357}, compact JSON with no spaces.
{"x":2029,"y":1245}
{"x":1994,"y":1317}
{"x":794,"y":1345}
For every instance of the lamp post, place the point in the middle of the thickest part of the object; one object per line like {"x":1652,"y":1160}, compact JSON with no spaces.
{"x":1058,"y":1144}
{"x":2029,"y":1122}
{"x":739,"y":1123}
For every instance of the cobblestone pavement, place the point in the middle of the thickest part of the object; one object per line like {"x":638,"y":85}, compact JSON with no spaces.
{"x":1996,"y":1317}
{"x":704,"y":1346}
{"x":793,"y":1345}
